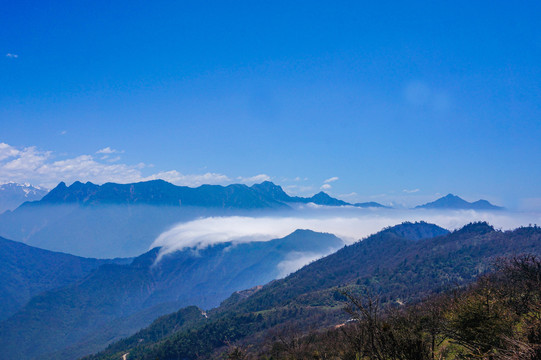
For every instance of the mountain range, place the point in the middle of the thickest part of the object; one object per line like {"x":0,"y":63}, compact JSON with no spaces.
{"x":122,"y":220}
{"x":117,"y":299}
{"x":400,"y":270}
{"x":86,"y":304}
{"x":26,"y":271}
{"x":162,"y":193}
{"x":236,"y":196}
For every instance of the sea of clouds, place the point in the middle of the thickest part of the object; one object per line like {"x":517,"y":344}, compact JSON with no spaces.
{"x":349,"y":224}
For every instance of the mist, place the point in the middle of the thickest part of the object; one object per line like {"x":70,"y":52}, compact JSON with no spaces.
{"x":347,"y":223}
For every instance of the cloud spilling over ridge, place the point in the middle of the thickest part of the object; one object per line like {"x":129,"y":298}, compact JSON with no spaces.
{"x":44,"y":168}
{"x":348,"y":224}
{"x":295,"y":260}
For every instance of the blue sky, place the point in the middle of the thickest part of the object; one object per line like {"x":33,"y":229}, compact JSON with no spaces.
{"x":400,"y":102}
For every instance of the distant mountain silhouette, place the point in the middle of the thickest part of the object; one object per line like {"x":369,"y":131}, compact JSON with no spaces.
{"x":13,"y":195}
{"x":454,"y":202}
{"x":276,"y":193}
{"x":26,"y":271}
{"x":122,"y":220}
{"x":370,"y":204}
{"x":160,"y":192}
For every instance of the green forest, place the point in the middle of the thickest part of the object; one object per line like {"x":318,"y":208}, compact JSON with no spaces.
{"x":394,"y":295}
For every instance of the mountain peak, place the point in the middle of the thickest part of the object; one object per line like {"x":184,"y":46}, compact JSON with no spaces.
{"x":451,"y":201}
{"x":480,"y":227}
{"x":416,"y":230}
{"x":271,"y":190}
{"x":322,"y":198}
{"x":159,"y":192}
{"x":322,"y":194}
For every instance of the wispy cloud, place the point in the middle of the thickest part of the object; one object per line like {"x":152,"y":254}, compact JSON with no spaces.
{"x":254,"y":179}
{"x":108,"y":150}
{"x":348,"y":224}
{"x":299,"y":190}
{"x":295,"y":260}
{"x":351,"y":195}
{"x":12,"y":56}
{"x":326,"y":184}
{"x":330,"y":180}
{"x":411,"y":191}
{"x":113,"y":159}
{"x":176,"y":177}
{"x":7,"y":151}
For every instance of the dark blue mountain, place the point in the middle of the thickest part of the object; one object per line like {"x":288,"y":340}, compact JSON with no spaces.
{"x":26,"y":271}
{"x":159,"y":192}
{"x":122,"y":220}
{"x":387,"y":266}
{"x":454,"y":202}
{"x":416,"y":231}
{"x":116,"y":300}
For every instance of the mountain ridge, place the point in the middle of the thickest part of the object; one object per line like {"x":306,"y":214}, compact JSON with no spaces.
{"x":398,"y":270}
{"x":134,"y":294}
{"x":160,"y":192}
{"x":451,"y":201}
{"x":27,"y":271}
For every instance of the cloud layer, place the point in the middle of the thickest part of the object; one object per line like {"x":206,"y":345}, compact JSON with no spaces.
{"x":348,"y":224}
{"x":44,"y":168}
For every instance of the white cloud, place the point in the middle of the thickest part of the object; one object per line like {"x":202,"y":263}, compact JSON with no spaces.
{"x":411,"y":191}
{"x":63,"y":132}
{"x":237,"y":229}
{"x":295,"y":260}
{"x":7,"y":151}
{"x":330,"y":180}
{"x":114,"y":159}
{"x":43,"y":168}
{"x":325,"y":187}
{"x":351,"y":195}
{"x":108,"y":150}
{"x":298,"y":190}
{"x":349,"y":224}
{"x":176,"y":177}
{"x":12,"y":56}
{"x":254,"y":179}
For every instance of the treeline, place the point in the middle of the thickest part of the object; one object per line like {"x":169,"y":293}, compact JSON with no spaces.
{"x":294,"y":317}
{"x":498,"y":317}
